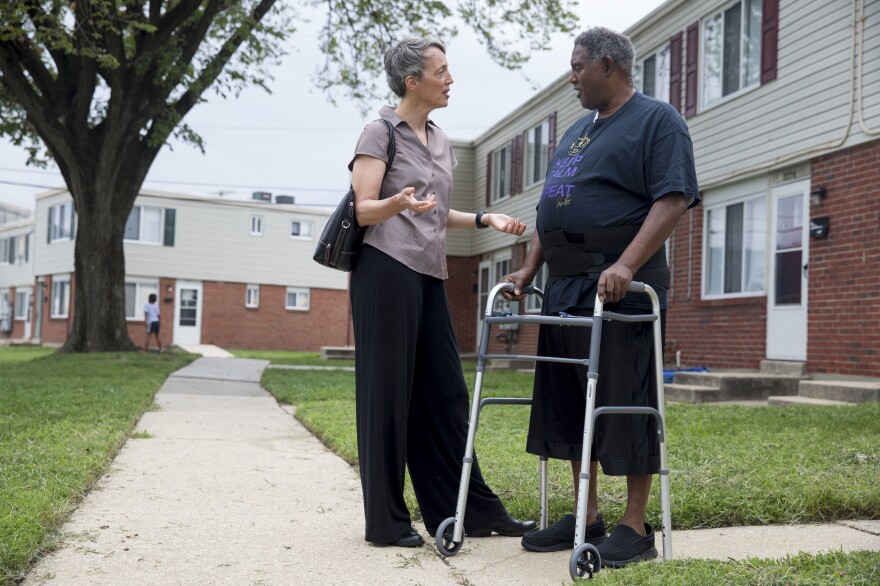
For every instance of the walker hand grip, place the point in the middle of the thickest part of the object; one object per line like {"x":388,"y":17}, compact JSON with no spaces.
{"x":636,"y":287}
{"x":526,"y":290}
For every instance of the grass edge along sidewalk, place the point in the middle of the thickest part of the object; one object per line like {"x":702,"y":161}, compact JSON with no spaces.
{"x":725,"y":462}
{"x":63,"y":418}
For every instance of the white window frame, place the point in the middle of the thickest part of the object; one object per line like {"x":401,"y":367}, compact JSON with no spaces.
{"x":143,"y":288}
{"x":760,"y":201}
{"x":533,"y":303}
{"x":257,"y":223}
{"x":61,"y":229}
{"x":62,"y":283}
{"x":311,"y":230}
{"x":5,"y":244}
{"x":140,"y":238}
{"x":539,"y":154}
{"x":744,"y":84}
{"x":5,"y":303}
{"x":662,"y":74}
{"x":501,"y":173}
{"x":252,"y":296}
{"x":297,"y":291}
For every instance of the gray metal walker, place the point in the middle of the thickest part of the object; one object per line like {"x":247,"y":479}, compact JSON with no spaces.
{"x":585,"y":559}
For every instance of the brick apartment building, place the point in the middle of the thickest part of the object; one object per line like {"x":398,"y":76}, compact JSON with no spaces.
{"x":233,"y":273}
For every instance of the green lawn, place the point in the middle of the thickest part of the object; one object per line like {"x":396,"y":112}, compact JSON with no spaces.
{"x":10,"y":354}
{"x":291,"y":358}
{"x":62,"y":419}
{"x":729,"y":465}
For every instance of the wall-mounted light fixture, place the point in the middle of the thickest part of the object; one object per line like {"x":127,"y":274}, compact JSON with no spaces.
{"x":817,"y":196}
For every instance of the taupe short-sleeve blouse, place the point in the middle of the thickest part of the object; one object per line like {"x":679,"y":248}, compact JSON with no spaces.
{"x":416,"y":240}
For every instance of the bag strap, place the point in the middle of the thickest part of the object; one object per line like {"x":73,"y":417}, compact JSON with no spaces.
{"x":391,"y":148}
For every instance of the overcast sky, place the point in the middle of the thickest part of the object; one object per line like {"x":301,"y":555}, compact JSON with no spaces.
{"x":294,"y":142}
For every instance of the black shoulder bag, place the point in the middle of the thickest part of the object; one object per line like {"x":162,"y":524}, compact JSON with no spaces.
{"x":342,"y":237}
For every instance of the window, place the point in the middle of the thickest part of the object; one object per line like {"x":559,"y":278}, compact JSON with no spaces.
{"x":500,"y":173}
{"x":7,"y":251}
{"x":137,"y":295}
{"x":301,"y":230}
{"x":60,"y":296}
{"x":533,"y":302}
{"x":256,"y":225}
{"x":61,"y":222}
{"x":297,"y":299}
{"x":5,"y":306}
{"x":652,"y":75}
{"x":22,"y":300}
{"x":736,"y":237}
{"x":252,"y":296}
{"x":537,"y":152}
{"x":145,"y":224}
{"x":731,"y":50}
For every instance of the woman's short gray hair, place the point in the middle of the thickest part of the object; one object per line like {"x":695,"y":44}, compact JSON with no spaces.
{"x":600,"y":42}
{"x":408,"y":58}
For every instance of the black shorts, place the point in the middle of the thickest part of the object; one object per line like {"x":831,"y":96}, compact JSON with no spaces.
{"x":623,"y":444}
{"x":153,"y":327}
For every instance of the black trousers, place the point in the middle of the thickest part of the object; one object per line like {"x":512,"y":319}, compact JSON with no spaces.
{"x":412,"y":401}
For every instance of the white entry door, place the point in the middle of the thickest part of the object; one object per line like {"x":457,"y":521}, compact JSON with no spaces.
{"x":787,"y":291}
{"x":484,"y":286}
{"x":23,"y":298}
{"x":188,"y":314}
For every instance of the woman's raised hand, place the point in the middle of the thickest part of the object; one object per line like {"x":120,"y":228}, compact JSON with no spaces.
{"x":407,"y":200}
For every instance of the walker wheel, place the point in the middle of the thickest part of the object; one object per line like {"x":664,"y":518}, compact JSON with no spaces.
{"x":585,"y":561}
{"x":445,"y":544}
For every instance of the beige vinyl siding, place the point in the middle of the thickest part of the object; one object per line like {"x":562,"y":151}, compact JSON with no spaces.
{"x":806,"y":107}
{"x":18,"y":275}
{"x":458,"y":242}
{"x":212,"y":242}
{"x":55,"y":258}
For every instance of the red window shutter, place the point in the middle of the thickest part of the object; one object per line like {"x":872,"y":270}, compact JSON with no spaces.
{"x":769,"y":39}
{"x":691,"y":78}
{"x":516,"y":176}
{"x":489,"y":179}
{"x":675,"y":44}
{"x":551,"y":137}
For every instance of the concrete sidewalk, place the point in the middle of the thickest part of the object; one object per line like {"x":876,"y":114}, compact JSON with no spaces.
{"x":230,"y":489}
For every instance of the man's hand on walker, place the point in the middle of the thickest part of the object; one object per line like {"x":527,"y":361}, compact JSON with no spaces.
{"x":520,"y":279}
{"x":614,"y":281}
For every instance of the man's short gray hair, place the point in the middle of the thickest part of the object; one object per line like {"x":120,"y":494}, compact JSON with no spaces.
{"x":600,"y":42}
{"x":408,"y":58}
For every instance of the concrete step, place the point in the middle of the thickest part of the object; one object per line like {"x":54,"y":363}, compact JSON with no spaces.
{"x":798,"y":400}
{"x":333,"y":352}
{"x":691,"y":393}
{"x":739,"y":386}
{"x":849,"y":391}
{"x":786,"y":367}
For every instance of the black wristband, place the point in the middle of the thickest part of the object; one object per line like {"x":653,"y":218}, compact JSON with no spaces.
{"x":479,"y":221}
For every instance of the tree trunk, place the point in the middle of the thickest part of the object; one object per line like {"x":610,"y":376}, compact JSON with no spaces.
{"x":99,"y":323}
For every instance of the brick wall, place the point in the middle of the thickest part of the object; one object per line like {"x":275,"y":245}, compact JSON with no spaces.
{"x":844,"y":269}
{"x":461,"y":290}
{"x":227,"y":323}
{"x":720,"y":333}
{"x":55,"y":329}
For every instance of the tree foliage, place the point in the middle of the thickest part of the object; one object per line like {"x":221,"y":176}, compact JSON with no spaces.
{"x":100,"y":86}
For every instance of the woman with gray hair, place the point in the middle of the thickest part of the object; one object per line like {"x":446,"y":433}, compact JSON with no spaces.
{"x":411,"y":397}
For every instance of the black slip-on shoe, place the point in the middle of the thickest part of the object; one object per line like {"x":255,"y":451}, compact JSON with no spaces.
{"x":409,"y":539}
{"x":624,"y":546}
{"x":506,"y":526}
{"x":560,"y":535}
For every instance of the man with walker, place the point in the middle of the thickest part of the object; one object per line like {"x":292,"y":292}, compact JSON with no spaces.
{"x":617,"y":184}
